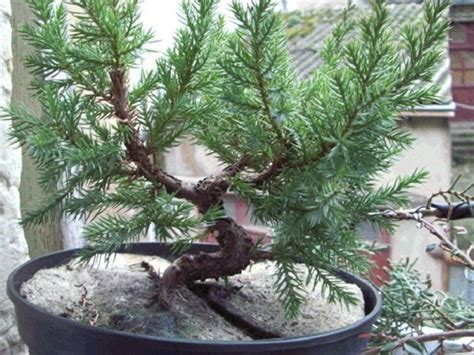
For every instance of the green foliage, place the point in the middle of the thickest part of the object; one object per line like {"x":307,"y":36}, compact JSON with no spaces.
{"x":168,"y":218}
{"x":179,"y":79}
{"x":328,"y":137}
{"x":338,"y":130}
{"x":410,"y":304}
{"x":253,"y":93}
{"x":76,"y":144}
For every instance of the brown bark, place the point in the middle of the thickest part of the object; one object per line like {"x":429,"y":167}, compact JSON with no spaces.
{"x":426,"y":338}
{"x":236,"y":245}
{"x":233,"y":257}
{"x":137,"y":151}
{"x":272,"y":171}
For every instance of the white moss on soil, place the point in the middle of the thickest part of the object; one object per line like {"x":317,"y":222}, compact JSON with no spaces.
{"x":256,"y":298}
{"x":117,"y":295}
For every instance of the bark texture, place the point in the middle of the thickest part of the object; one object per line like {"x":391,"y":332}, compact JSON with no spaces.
{"x":236,"y":244}
{"x":233,"y":257}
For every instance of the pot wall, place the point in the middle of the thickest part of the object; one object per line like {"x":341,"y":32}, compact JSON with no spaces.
{"x":47,"y":334}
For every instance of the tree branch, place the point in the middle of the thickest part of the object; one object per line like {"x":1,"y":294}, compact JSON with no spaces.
{"x":136,"y":150}
{"x":272,"y":171}
{"x":445,"y":242}
{"x":426,"y":338}
{"x":276,"y":167}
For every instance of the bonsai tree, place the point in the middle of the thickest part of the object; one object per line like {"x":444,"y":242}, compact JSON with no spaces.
{"x":306,"y":154}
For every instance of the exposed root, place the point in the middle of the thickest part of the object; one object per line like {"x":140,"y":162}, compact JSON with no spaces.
{"x":152,"y":273}
{"x":217,"y":297}
{"x":157,"y":284}
{"x":177,"y":287}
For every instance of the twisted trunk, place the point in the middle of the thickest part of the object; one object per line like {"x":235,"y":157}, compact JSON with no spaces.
{"x":233,"y":257}
{"x":236,"y":245}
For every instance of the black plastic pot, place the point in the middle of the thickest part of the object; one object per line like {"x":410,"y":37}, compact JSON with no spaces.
{"x":47,"y":334}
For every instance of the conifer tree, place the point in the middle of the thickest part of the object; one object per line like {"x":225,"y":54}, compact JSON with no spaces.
{"x":306,"y":154}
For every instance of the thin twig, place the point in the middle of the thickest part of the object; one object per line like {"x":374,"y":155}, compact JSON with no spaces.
{"x":462,"y":196}
{"x":426,"y":338}
{"x":445,"y":242}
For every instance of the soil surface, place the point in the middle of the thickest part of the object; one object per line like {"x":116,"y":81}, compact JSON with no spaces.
{"x":120,"y":295}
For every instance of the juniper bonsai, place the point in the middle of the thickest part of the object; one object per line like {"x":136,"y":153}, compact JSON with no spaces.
{"x":306,"y":154}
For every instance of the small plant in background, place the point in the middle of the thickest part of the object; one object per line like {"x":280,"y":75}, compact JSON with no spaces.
{"x":306,"y":154}
{"x":441,"y":227}
{"x":410,"y":305}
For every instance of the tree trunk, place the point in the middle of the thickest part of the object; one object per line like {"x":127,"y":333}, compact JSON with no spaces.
{"x":233,"y":257}
{"x":46,"y":237}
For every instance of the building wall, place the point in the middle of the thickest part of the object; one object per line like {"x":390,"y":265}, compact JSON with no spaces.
{"x":13,"y":249}
{"x":430,"y":151}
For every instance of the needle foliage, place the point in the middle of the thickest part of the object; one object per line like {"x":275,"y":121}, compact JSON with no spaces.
{"x":309,"y":151}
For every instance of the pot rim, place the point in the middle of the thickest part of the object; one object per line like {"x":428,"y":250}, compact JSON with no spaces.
{"x":14,"y":284}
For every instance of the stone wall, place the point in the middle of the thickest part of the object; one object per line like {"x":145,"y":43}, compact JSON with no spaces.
{"x":13,"y":249}
{"x":44,"y":238}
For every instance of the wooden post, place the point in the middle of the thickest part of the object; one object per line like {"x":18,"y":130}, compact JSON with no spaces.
{"x":44,"y":238}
